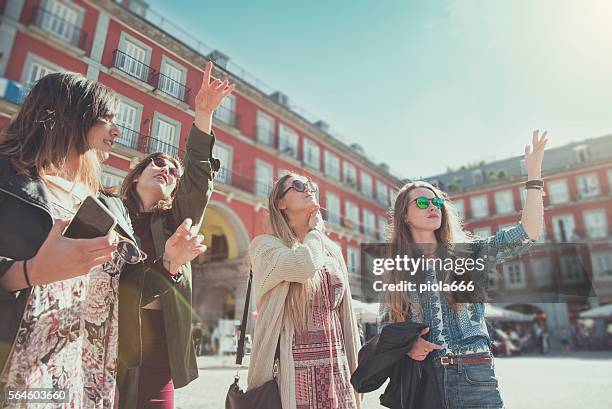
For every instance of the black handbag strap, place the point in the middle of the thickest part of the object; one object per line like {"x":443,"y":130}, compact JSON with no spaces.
{"x":245,"y":316}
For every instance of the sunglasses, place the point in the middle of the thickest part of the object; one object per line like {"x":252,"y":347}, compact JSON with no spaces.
{"x":423,"y":202}
{"x":163,"y":163}
{"x":127,"y":251}
{"x":300,"y":186}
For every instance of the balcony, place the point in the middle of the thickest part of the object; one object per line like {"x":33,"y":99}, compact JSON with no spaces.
{"x":61,"y":28}
{"x":149,"y":144}
{"x":171,"y":87}
{"x":129,"y":137}
{"x":133,"y":67}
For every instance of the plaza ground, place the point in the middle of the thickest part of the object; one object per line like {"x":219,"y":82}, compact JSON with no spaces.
{"x":571,"y":381}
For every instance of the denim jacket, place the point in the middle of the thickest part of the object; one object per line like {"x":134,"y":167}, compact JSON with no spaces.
{"x":461,"y":329}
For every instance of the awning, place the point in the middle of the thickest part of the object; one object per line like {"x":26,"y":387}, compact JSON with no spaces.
{"x":366,"y":312}
{"x":603,"y":311}
{"x":501,"y":314}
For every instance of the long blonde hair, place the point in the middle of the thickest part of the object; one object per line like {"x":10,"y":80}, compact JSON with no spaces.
{"x":451,"y":231}
{"x":300,"y":294}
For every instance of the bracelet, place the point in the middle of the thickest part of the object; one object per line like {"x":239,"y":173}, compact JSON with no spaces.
{"x":535,"y":182}
{"x":25,"y":273}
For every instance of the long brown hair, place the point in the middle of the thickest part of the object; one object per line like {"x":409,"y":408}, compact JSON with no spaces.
{"x":402,"y":242}
{"x":130,"y":195}
{"x":300,"y":294}
{"x":53,"y":122}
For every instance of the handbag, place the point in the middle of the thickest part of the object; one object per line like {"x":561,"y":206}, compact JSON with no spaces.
{"x":266,"y":396}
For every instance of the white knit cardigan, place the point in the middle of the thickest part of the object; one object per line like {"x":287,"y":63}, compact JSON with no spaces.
{"x":274,"y":266}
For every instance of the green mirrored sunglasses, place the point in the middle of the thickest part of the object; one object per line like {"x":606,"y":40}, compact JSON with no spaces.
{"x":423,"y":202}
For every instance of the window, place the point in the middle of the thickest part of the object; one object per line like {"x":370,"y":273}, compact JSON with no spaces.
{"x":333,"y":207}
{"x":513,"y":275}
{"x":172,"y":79}
{"x":523,"y":196}
{"x":602,"y":265}
{"x":541,"y":272}
{"x":558,"y":191}
{"x":128,"y":121}
{"x":582,"y":153}
{"x":351,"y":212}
{"x":482,"y":232}
{"x":264,"y":174}
{"x":366,"y":184}
{"x":349,"y":174}
{"x":588,"y":185}
{"x":382,"y":193}
{"x":369,"y":223}
{"x":133,"y":59}
{"x":382,"y":228}
{"x":460,"y":206}
{"x":287,"y":141}
{"x":165,"y":136}
{"x":223,"y":152}
{"x":332,"y":165}
{"x":493,"y":280}
{"x":265,"y":128}
{"x":35,"y":68}
{"x":542,"y":238}
{"x":393,"y":196}
{"x":504,"y":202}
{"x":353,"y":260}
{"x":226,"y":112}
{"x":563,"y":228}
{"x":610,"y":181}
{"x":596,"y":223}
{"x":312,"y":154}
{"x":477,"y":176}
{"x":571,"y":269}
{"x":61,"y":20}
{"x":480,"y":207}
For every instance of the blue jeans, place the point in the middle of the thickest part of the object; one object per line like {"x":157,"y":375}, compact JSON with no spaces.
{"x":467,"y":386}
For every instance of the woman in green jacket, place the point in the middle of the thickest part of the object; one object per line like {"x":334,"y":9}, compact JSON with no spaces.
{"x":160,"y":195}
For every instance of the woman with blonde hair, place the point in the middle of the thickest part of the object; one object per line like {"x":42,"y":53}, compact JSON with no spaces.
{"x":426,"y":224}
{"x":303,"y":298}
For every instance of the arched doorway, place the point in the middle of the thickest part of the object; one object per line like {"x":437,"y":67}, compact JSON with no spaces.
{"x":219,"y":276}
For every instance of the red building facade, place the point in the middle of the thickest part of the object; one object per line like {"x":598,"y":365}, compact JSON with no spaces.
{"x":259,"y":137}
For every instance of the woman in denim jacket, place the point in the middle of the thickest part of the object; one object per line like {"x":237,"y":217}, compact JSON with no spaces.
{"x":456,"y":339}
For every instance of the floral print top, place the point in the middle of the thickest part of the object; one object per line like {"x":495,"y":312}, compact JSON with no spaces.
{"x":68,"y":336}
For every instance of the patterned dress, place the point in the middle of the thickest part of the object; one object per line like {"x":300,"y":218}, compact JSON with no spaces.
{"x":67,"y":339}
{"x":322,"y":374}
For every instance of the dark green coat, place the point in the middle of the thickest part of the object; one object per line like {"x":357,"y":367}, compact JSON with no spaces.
{"x":194,"y":190}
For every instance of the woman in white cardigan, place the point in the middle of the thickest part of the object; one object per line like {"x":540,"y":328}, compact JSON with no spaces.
{"x":303,"y":298}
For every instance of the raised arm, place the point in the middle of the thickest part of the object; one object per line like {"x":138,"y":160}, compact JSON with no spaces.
{"x":195,"y":186}
{"x":533,"y":211}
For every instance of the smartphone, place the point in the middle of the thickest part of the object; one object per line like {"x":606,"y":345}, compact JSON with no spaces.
{"x":91,"y":220}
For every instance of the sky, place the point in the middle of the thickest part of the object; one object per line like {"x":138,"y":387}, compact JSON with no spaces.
{"x":424,"y":85}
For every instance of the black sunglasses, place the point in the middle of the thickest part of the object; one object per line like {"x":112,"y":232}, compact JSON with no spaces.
{"x":423,"y":202}
{"x":300,"y":186}
{"x":129,"y":252}
{"x":163,"y":163}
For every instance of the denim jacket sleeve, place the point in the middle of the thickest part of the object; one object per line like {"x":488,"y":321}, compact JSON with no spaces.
{"x":502,"y":245}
